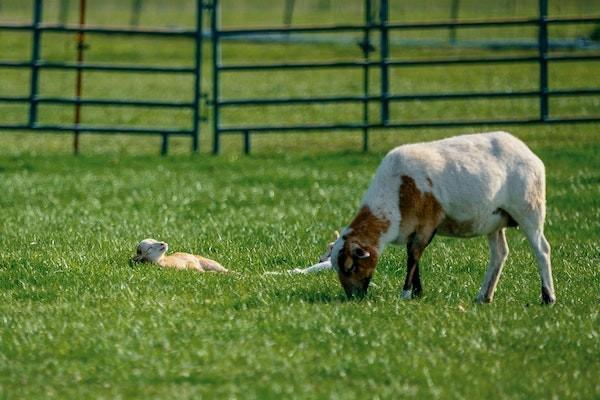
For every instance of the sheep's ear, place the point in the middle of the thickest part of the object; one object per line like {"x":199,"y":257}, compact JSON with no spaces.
{"x":359,"y":252}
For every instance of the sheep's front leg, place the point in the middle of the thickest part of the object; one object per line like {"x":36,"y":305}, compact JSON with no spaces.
{"x":498,"y":255}
{"x":414,"y":249}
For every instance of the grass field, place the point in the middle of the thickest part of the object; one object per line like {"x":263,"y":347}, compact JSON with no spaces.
{"x":78,"y":321}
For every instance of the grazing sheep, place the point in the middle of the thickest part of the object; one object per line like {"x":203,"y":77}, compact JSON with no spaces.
{"x":464,"y":186}
{"x":153,"y":251}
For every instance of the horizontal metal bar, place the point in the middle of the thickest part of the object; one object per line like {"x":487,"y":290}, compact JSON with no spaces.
{"x":115,"y":102}
{"x":14,"y":127}
{"x":15,"y":64}
{"x":463,"y":60}
{"x":296,"y":100}
{"x":287,"y":128}
{"x":99,"y":129}
{"x":358,"y":64}
{"x":98,"y":67}
{"x":573,"y":20}
{"x":297,"y":29}
{"x":418,"y":124}
{"x":485,"y":23}
{"x":574,"y":92}
{"x":295,"y":65}
{"x":463,"y":24}
{"x":569,"y":57}
{"x":302,"y":100}
{"x":117,"y":68}
{"x":359,"y":99}
{"x":14,"y":99}
{"x":50,"y":27}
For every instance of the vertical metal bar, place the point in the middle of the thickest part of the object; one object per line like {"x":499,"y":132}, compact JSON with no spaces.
{"x":246,"y":142}
{"x":384,"y":54}
{"x":164,"y":148}
{"x":197,"y":76}
{"x":366,"y":47}
{"x":453,"y":17}
{"x":543,"y":52}
{"x":216,"y":60}
{"x":79,"y":74}
{"x":35,"y":58}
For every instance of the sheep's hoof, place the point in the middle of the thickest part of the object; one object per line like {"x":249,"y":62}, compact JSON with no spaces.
{"x":407,"y":294}
{"x":483,"y":300}
{"x":547,"y":298}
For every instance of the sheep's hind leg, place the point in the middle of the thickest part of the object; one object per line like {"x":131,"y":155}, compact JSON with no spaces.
{"x":498,"y":255}
{"x":541,"y":248}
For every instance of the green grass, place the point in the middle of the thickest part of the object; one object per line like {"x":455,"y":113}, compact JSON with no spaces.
{"x":78,"y":321}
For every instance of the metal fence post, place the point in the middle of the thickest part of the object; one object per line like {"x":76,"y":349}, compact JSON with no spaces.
{"x":164,"y":147}
{"x":79,"y":75}
{"x":384,"y":54}
{"x":197,"y":76}
{"x":366,"y":48}
{"x":543,"y":60}
{"x":216,"y":59}
{"x":247,"y":144}
{"x":35,"y":58}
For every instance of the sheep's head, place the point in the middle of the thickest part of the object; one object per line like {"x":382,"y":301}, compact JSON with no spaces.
{"x":150,"y":250}
{"x":327,"y":255}
{"x":355,"y":253}
{"x":355,"y":264}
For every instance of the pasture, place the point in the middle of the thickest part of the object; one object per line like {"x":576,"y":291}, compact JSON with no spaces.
{"x":78,"y":321}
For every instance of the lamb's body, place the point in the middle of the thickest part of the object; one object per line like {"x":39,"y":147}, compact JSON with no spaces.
{"x":190,"y":261}
{"x":464,"y":186}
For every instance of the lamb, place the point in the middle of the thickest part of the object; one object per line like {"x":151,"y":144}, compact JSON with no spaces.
{"x":464,"y":186}
{"x":153,"y":251}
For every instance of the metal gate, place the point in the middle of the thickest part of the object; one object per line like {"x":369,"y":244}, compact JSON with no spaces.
{"x":37,"y":27}
{"x":382,"y":62}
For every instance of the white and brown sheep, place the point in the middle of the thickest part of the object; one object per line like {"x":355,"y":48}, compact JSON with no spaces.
{"x":464,"y":186}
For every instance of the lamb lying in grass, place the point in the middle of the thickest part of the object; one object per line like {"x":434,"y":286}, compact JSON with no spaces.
{"x":323,"y":264}
{"x":153,"y":251}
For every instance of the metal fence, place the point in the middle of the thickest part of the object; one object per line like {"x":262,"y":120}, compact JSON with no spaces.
{"x":375,"y":58}
{"x":37,"y":27}
{"x":383,"y":63}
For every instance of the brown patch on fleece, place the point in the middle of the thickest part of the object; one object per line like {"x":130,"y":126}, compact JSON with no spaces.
{"x":367,"y":228}
{"x":420,"y":212}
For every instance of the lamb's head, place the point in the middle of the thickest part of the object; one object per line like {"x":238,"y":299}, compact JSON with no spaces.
{"x":355,"y":263}
{"x":327,"y":255}
{"x":150,"y":250}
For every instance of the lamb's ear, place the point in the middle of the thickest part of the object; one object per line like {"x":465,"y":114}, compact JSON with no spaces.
{"x":337,"y":235}
{"x":359,"y":252}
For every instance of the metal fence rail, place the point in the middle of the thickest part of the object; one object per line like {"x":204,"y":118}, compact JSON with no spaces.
{"x":35,"y":64}
{"x":383,"y":64}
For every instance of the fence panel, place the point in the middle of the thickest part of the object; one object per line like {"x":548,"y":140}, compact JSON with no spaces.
{"x":37,"y":27}
{"x":384,"y":64}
